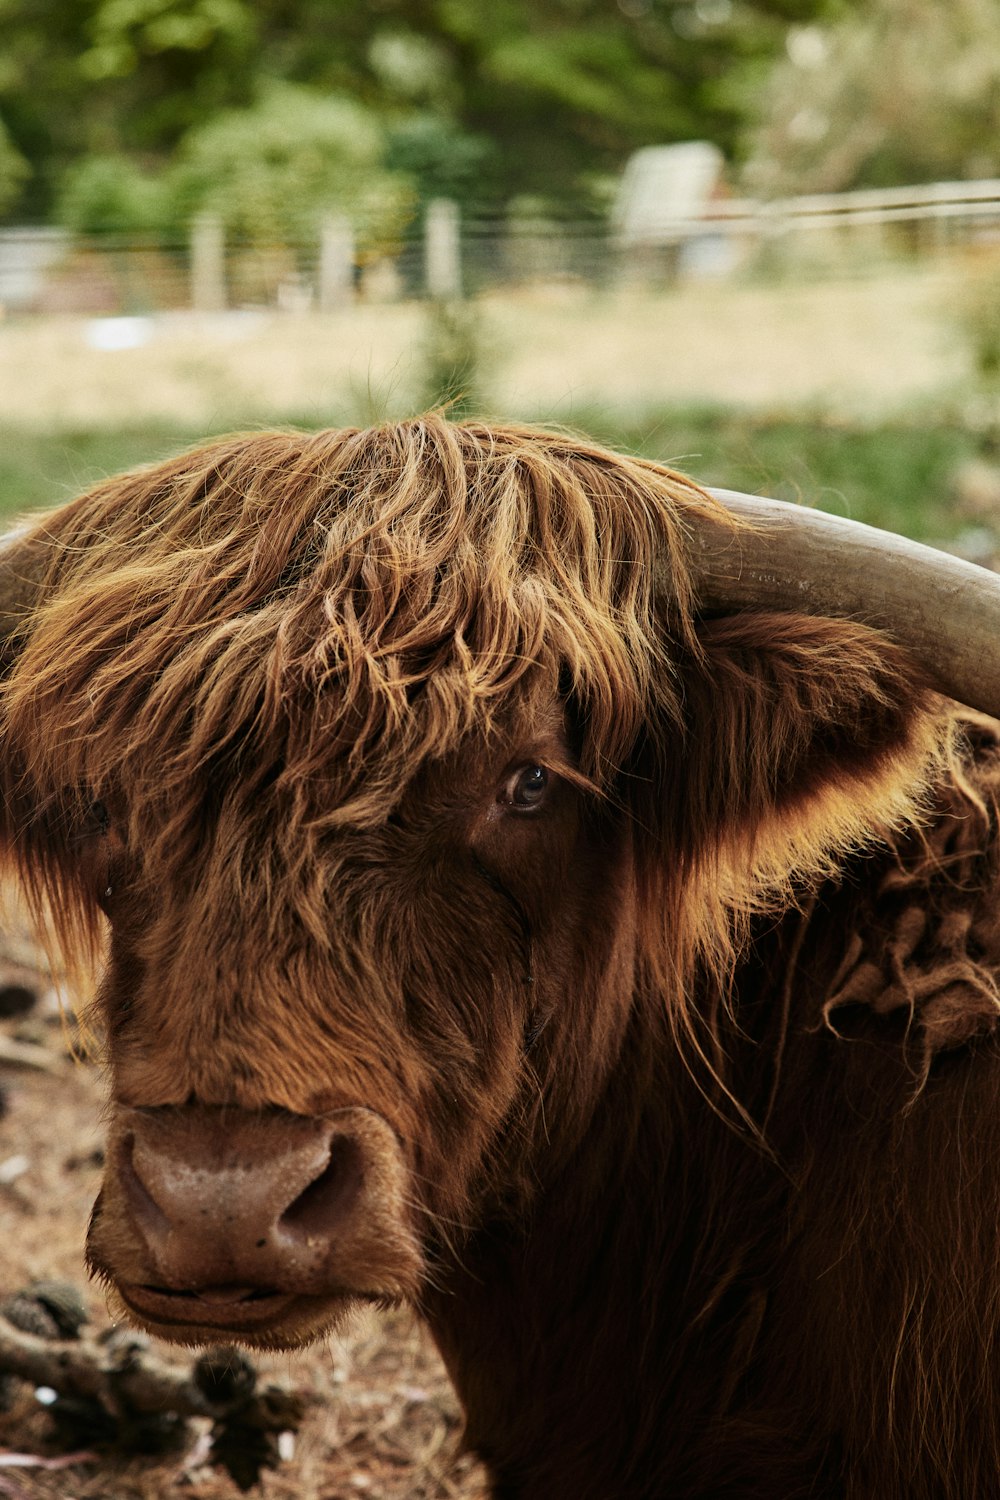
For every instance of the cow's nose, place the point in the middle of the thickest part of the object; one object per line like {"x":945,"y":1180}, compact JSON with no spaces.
{"x":227,"y":1199}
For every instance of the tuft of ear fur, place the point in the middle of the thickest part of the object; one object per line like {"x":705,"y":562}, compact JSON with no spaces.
{"x":804,"y":740}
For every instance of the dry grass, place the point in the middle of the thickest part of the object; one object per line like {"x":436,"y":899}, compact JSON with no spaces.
{"x":851,"y":345}
{"x":385,"y":1422}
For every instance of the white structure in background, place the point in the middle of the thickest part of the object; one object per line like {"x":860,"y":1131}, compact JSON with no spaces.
{"x":443,"y":250}
{"x":208,"y":264}
{"x":335,"y":274}
{"x":25,"y":257}
{"x":665,"y":201}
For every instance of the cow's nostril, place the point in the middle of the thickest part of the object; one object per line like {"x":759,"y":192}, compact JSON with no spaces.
{"x":145,"y":1208}
{"x":317,"y":1209}
{"x":223,"y":1208}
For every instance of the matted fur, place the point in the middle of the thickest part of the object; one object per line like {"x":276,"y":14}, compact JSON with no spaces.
{"x":305,"y":619}
{"x":320,"y":614}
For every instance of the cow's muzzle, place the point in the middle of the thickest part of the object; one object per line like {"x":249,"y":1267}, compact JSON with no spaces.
{"x":220,"y":1223}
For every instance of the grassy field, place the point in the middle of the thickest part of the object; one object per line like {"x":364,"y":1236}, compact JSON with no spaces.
{"x":850,"y":346}
{"x":850,"y":395}
{"x":898,"y":474}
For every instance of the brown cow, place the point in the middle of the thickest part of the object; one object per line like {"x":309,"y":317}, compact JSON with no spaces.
{"x":498,"y":921}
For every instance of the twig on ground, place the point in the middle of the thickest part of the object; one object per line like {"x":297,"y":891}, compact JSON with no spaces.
{"x":123,"y":1382}
{"x":28,"y":1055}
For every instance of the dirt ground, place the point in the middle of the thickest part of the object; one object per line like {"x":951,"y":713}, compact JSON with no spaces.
{"x":383,"y":1420}
{"x":548,"y":352}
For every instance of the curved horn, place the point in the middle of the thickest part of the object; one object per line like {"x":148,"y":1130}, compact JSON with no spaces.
{"x":944,"y":610}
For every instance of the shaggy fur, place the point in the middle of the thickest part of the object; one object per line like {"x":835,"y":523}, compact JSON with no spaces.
{"x":692,"y":1066}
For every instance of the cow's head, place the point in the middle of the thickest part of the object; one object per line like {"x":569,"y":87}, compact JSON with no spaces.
{"x":389,"y":770}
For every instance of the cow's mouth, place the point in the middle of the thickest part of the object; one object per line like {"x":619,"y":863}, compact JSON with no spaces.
{"x":259,"y":1315}
{"x":223,"y":1305}
{"x":257,"y":1227}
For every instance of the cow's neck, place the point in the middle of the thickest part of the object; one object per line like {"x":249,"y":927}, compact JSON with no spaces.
{"x":556,"y":1335}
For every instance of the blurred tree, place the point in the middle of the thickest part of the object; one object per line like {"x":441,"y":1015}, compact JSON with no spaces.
{"x":520,"y":96}
{"x":111,"y":195}
{"x":900,"y":91}
{"x":116,"y":77}
{"x":273,"y":171}
{"x":160,"y":66}
{"x":440,"y":159}
{"x":40,"y":89}
{"x":13,"y":169}
{"x":565,"y":89}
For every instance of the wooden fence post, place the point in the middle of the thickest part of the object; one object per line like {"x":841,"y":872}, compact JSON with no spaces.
{"x":208,"y":264}
{"x":442,"y":250}
{"x":336,"y":263}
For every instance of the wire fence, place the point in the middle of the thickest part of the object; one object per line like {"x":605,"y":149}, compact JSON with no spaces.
{"x":446,"y":256}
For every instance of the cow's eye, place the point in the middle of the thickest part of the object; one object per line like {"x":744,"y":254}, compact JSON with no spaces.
{"x":526,"y":788}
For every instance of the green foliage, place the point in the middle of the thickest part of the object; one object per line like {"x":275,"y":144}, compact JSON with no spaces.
{"x":898,"y":91}
{"x":116,"y":78}
{"x":538,"y":96}
{"x":451,"y":358}
{"x":978,"y":316}
{"x":13,"y":169}
{"x":271,"y":172}
{"x":124,"y":32}
{"x":410,"y":66}
{"x":893,"y":474}
{"x":440,"y":159}
{"x":111,"y":195}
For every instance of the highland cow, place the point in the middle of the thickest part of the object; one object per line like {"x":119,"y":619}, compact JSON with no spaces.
{"x":527,"y":886}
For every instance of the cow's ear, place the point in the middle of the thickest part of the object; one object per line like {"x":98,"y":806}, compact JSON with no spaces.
{"x":802,"y":740}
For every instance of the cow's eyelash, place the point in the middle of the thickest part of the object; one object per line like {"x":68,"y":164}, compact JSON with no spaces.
{"x":94,"y":821}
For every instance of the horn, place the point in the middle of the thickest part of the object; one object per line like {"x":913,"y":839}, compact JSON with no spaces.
{"x":945,"y":611}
